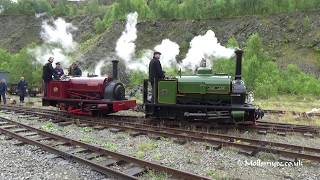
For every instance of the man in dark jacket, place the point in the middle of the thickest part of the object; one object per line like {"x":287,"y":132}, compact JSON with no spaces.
{"x":155,"y":72}
{"x":22,"y":89}
{"x":70,"y":69}
{"x":3,"y":90}
{"x":77,"y":71}
{"x":47,"y":74}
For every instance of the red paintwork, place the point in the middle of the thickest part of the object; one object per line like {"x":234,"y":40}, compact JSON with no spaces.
{"x":91,"y":88}
{"x":81,"y":94}
{"x":120,"y":105}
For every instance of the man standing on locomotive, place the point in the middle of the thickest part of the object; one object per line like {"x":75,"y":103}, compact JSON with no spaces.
{"x":47,"y":74}
{"x":74,"y":70}
{"x":59,"y":70}
{"x":22,"y":89}
{"x":77,"y":71}
{"x":155,"y":73}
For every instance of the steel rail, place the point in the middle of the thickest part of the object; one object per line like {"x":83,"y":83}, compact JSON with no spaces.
{"x":219,"y":139}
{"x":141,"y":163}
{"x":260,"y":125}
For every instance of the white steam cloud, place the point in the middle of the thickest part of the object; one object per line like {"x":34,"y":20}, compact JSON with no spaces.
{"x":97,"y":69}
{"x":125,"y":47}
{"x":204,"y":47}
{"x":59,"y":33}
{"x":58,"y":42}
{"x":169,"y":51}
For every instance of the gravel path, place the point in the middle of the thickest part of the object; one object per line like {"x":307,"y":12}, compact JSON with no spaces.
{"x":30,"y":162}
{"x":193,"y":157}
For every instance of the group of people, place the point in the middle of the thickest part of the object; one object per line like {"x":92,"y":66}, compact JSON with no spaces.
{"x":22,"y":90}
{"x":49,"y":73}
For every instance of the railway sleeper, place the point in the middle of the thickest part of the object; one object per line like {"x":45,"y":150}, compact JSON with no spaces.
{"x":248,"y":152}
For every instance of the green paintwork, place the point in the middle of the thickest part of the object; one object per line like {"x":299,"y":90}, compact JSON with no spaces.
{"x":167,"y":91}
{"x":204,"y":71}
{"x":204,"y":84}
{"x":237,"y":115}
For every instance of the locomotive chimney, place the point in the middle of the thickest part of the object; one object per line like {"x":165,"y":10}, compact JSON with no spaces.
{"x":239,"y":53}
{"x":115,"y":69}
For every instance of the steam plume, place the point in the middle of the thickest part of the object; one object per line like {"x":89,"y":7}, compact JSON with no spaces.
{"x":97,"y":69}
{"x":58,"y":42}
{"x":169,"y":51}
{"x":203,"y":47}
{"x":59,"y":33}
{"x":125,"y":47}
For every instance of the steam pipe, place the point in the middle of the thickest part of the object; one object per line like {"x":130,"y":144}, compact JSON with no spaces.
{"x":239,"y":53}
{"x":115,"y":69}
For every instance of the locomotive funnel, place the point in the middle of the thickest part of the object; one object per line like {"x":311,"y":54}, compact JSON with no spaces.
{"x":115,"y":69}
{"x":239,"y":53}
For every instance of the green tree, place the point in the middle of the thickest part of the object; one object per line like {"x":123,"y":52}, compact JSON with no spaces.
{"x":61,"y":9}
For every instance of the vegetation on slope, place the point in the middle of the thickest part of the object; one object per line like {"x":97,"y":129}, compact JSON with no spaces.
{"x":158,"y":9}
{"x":21,"y":64}
{"x":261,"y":73}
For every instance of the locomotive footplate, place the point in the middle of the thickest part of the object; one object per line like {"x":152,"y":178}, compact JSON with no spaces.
{"x":233,"y":113}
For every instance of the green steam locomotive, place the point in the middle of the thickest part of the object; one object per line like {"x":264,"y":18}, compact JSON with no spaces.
{"x":204,"y":96}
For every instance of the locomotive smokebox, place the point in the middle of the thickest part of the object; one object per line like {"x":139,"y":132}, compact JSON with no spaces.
{"x":239,"y":53}
{"x":115,"y":69}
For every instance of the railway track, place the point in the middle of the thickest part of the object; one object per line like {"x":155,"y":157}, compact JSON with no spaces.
{"x":101,"y":160}
{"x":263,"y":127}
{"x":245,"y":145}
{"x":306,"y":114}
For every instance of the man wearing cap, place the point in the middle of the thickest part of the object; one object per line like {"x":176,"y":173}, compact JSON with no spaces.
{"x":155,"y":72}
{"x":47,"y":74}
{"x":59,"y":70}
{"x":22,"y":89}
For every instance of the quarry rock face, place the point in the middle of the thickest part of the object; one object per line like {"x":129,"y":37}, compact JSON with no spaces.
{"x":291,"y":38}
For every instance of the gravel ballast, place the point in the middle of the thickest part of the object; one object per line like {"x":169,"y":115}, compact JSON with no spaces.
{"x":192,"y":157}
{"x":30,"y":162}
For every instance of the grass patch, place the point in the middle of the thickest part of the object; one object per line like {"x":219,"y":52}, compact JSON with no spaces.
{"x":139,"y":154}
{"x":110,"y":146}
{"x":29,"y":103}
{"x":213,"y":174}
{"x":86,"y":129}
{"x":147,"y":146}
{"x":153,"y":175}
{"x":158,"y":156}
{"x":290,"y":103}
{"x":87,"y":139}
{"x":49,"y":126}
{"x":291,"y":119}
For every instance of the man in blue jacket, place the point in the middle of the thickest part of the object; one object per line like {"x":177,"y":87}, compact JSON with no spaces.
{"x":59,"y":70}
{"x":22,"y":89}
{"x":3,"y":91}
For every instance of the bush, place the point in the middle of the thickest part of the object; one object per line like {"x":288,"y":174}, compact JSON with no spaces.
{"x":21,"y":64}
{"x":99,"y":26}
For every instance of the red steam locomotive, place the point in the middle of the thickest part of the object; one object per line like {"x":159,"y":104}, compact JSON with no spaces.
{"x":89,"y":95}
